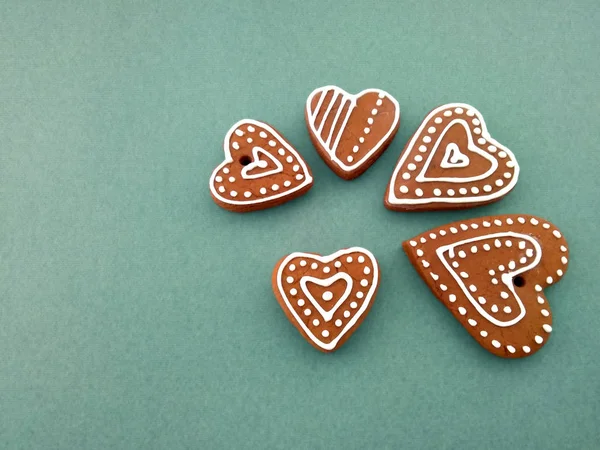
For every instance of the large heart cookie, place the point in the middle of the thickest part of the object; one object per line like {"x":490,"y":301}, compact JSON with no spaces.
{"x":261,"y":169}
{"x":451,"y":162}
{"x":351,"y":131}
{"x":326,"y":297}
{"x":491,"y":274}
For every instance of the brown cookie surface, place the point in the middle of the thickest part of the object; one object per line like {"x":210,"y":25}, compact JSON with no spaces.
{"x":490,"y":273}
{"x":451,"y":162}
{"x":351,"y":131}
{"x":326,"y":297}
{"x":261,"y":169}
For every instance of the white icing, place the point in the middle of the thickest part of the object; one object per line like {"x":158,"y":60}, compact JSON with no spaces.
{"x":229,"y":159}
{"x":448,"y":250}
{"x":327,"y":315}
{"x":453,"y":158}
{"x":326,"y":260}
{"x":330,"y":143}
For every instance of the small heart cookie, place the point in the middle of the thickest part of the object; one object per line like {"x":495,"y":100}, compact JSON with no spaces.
{"x":451,"y":162}
{"x":326,"y":297}
{"x":490,"y":273}
{"x":261,"y":169}
{"x":351,"y":131}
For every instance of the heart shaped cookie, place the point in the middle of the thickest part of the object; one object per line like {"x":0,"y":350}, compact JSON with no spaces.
{"x":491,"y":274}
{"x":351,"y":131}
{"x":326,"y":297}
{"x":451,"y":162}
{"x":261,"y":169}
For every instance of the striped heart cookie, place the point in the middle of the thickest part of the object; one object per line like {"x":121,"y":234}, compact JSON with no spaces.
{"x":451,"y":162}
{"x":491,"y":274}
{"x":326,"y":297}
{"x":261,"y":169}
{"x":351,"y":131}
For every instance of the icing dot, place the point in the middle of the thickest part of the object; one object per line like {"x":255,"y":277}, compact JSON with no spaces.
{"x":233,"y":193}
{"x":370,"y":121}
{"x":251,"y":129}
{"x":494,"y":281}
{"x":355,"y":149}
{"x":539,"y":339}
{"x":507,"y":174}
{"x":492,"y":148}
{"x":464,"y":274}
{"x":263,"y":135}
{"x":437,"y":192}
{"x":526,"y":349}
{"x":483,"y":333}
{"x":427,"y":139}
{"x":293,"y":291}
{"x":495,"y":308}
{"x":432,"y":235}
{"x":349,"y":259}
{"x":509,"y":244}
{"x":287,"y":183}
{"x":453,"y":230}
{"x":462,"y":254}
{"x":299,"y":176}
{"x":538,"y":288}
{"x":263,"y":190}
{"x":487,"y":188}
{"x":367,"y":130}
{"x":413,"y":243}
{"x":549,"y":280}
{"x":501,"y":268}
{"x":452,"y":298}
{"x":509,"y":221}
{"x":281,"y":151}
{"x":442,"y":233}
{"x":474,"y":249}
{"x":290,"y":279}
{"x":411,"y":166}
{"x":431,"y":130}
{"x":289,"y":159}
{"x":272,"y":143}
{"x":366,"y":270}
{"x":316,"y":322}
{"x":249,"y":140}
{"x":381,"y":95}
{"x":495,"y":343}
{"x":534,"y":221}
{"x":475,"y":121}
{"x":303,"y":263}
{"x":482,"y":300}
{"x":247,"y":194}
{"x":225,"y":170}
{"x":300,"y":302}
{"x":443,"y":287}
{"x":406,"y":176}
{"x":418,"y":158}
{"x":374,"y":111}
{"x":275,"y":187}
{"x":511,"y":349}
{"x":545,"y":313}
{"x":235,"y":146}
{"x":447,"y":113}
{"x":353,"y":305}
{"x":529,"y":252}
{"x":463,"y":191}
{"x":458,"y":110}
{"x":477,"y":130}
{"x":350,"y":159}
{"x":419,"y":192}
{"x":438,"y":120}
{"x":462,"y":311}
{"x":507,"y":309}
{"x":361,"y":259}
{"x":221,"y":189}
{"x":464,"y":227}
{"x":359,"y":295}
{"x":557,"y":234}
{"x":307,"y":312}
{"x":547,"y":328}
{"x":338,"y":323}
{"x":327,"y":295}
{"x":364,"y":283}
{"x":326,"y":269}
{"x":475,"y":190}
{"x":546,"y":226}
{"x":499,"y":183}
{"x":337,"y":264}
{"x":296,"y":168}
{"x":218,"y":179}
{"x":559,"y":273}
{"x":563,"y":248}
{"x":239,"y":132}
{"x":470,"y":113}
{"x":325,"y":333}
{"x":422,"y":148}
{"x":502,"y":154}
{"x":523,"y":260}
{"x":403,"y":189}
{"x":497,"y":243}
{"x":361,"y":140}
{"x":473,"y":288}
{"x":313,"y":266}
{"x":497,"y":222}
{"x":564,"y":260}
{"x":481,"y":141}
{"x":346,"y":314}
{"x":379,"y":102}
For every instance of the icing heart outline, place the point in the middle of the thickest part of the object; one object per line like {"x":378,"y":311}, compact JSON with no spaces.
{"x":256,"y":163}
{"x":450,"y":155}
{"x":458,"y":261}
{"x":358,"y":316}
{"x":307,"y":177}
{"x":392,"y":200}
{"x":327,"y":315}
{"x":346,"y":96}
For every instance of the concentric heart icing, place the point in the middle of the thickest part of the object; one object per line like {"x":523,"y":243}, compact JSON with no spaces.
{"x":351,"y":131}
{"x":327,"y":297}
{"x":451,"y":162}
{"x":261,"y":169}
{"x":491,"y":273}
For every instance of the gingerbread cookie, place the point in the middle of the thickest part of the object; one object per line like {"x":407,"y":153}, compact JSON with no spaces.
{"x":261,"y":169}
{"x":451,"y":162}
{"x":351,"y":131}
{"x":491,"y":274}
{"x":327,"y":297}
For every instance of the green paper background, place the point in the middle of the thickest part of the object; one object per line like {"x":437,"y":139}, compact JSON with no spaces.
{"x":135,"y":313}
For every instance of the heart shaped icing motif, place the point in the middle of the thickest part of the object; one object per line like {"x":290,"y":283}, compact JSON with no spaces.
{"x":351,"y":131}
{"x":451,"y":162}
{"x":491,"y":274}
{"x":326,"y":297}
{"x":261,"y":169}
